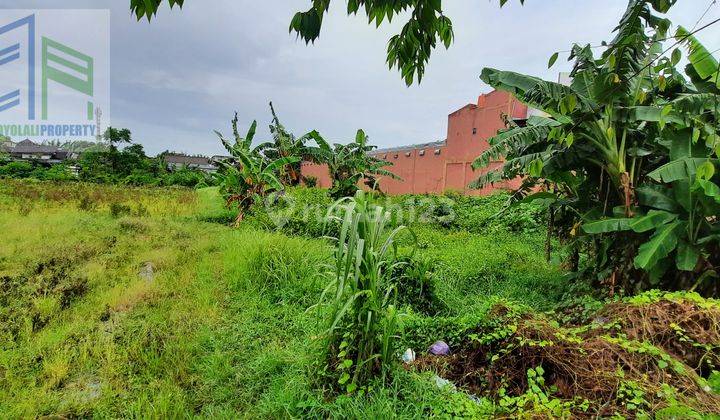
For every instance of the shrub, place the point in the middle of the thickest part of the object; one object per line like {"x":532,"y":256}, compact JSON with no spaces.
{"x":297,"y":211}
{"x":310,"y":181}
{"x":117,"y":210}
{"x":57,"y":173}
{"x":17,"y":170}
{"x":29,"y":300}
{"x":87,"y":203}
{"x":140,"y":179}
{"x":186,"y":178}
{"x":415,"y":278}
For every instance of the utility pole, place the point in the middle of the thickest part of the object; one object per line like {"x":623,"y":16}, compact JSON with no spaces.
{"x":98,"y":124}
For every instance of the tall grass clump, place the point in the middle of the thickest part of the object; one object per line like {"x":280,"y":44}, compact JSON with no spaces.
{"x":362,"y":316}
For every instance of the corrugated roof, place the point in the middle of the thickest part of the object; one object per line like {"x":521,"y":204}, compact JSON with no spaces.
{"x":430,"y":145}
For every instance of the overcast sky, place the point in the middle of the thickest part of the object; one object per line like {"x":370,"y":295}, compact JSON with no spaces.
{"x":176,"y":79}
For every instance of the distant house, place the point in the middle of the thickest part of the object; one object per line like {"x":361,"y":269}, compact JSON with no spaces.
{"x":6,"y":144}
{"x":176,"y":161}
{"x":26,"y":150}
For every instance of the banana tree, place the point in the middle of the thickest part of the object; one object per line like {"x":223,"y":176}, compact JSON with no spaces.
{"x":630,"y":129}
{"x":285,"y":144}
{"x":348,"y":164}
{"x":248,"y":175}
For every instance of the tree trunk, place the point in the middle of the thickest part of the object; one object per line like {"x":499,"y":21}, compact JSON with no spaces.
{"x":550,"y":226}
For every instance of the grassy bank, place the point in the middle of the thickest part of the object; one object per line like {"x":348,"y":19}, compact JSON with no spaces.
{"x":167,"y":313}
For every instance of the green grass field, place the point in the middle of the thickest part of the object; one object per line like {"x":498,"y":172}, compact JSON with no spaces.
{"x":134,"y":303}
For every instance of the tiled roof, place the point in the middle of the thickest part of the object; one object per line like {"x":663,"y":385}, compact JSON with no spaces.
{"x":28,"y":147}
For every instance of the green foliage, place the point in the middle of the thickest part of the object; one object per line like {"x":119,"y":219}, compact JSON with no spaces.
{"x":17,"y":170}
{"x":627,"y":151}
{"x":301,"y":211}
{"x":117,"y":135}
{"x":409,"y":51}
{"x":118,"y":210}
{"x":632,"y":396}
{"x":32,"y":298}
{"x":249,"y":175}
{"x":416,"y":278}
{"x":285,"y":144}
{"x":130,"y":165}
{"x":349,"y":164}
{"x":220,"y":328}
{"x":297,"y":211}
{"x":310,"y":181}
{"x":421,"y":331}
{"x":148,"y":8}
{"x":714,"y":381}
{"x":538,"y":400}
{"x":58,"y":173}
{"x":362,"y":317}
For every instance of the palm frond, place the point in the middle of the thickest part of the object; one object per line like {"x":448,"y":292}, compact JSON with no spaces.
{"x":486,"y":179}
{"x":537,"y":93}
{"x":511,"y":141}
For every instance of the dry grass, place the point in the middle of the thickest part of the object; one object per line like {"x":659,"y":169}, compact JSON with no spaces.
{"x":636,"y":346}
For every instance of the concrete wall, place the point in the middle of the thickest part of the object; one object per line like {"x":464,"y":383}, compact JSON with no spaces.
{"x":439,"y":167}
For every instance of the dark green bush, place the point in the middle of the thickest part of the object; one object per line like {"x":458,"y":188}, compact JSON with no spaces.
{"x":300,"y":211}
{"x":297,"y":211}
{"x":17,"y":170}
{"x":415,"y":280}
{"x":118,"y":209}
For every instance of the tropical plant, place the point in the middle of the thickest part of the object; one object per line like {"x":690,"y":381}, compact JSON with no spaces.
{"x":285,"y":144}
{"x":349,"y":164}
{"x":627,"y":151}
{"x":362,"y":318}
{"x":248,"y":175}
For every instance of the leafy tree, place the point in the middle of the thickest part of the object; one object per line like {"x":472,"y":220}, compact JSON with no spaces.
{"x":409,"y":51}
{"x":117,"y":136}
{"x":130,"y":165}
{"x":249,"y":175}
{"x":348,"y":164}
{"x":148,"y":8}
{"x":628,"y":151}
{"x":79,"y":146}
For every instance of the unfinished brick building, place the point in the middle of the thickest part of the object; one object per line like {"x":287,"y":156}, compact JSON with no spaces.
{"x":446,"y":165}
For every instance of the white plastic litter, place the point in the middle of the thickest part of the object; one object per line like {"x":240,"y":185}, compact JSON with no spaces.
{"x":408,"y":356}
{"x":442,"y":382}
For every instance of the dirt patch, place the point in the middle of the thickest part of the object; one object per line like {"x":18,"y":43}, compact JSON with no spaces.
{"x":635,"y":360}
{"x":688,"y":330}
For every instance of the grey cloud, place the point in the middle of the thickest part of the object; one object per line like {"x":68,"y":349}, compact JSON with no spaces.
{"x":181,"y":76}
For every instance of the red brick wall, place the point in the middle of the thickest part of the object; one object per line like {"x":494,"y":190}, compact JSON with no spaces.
{"x":450,"y":169}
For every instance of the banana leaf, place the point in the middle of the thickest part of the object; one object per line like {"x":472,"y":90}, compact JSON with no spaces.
{"x":661,"y":244}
